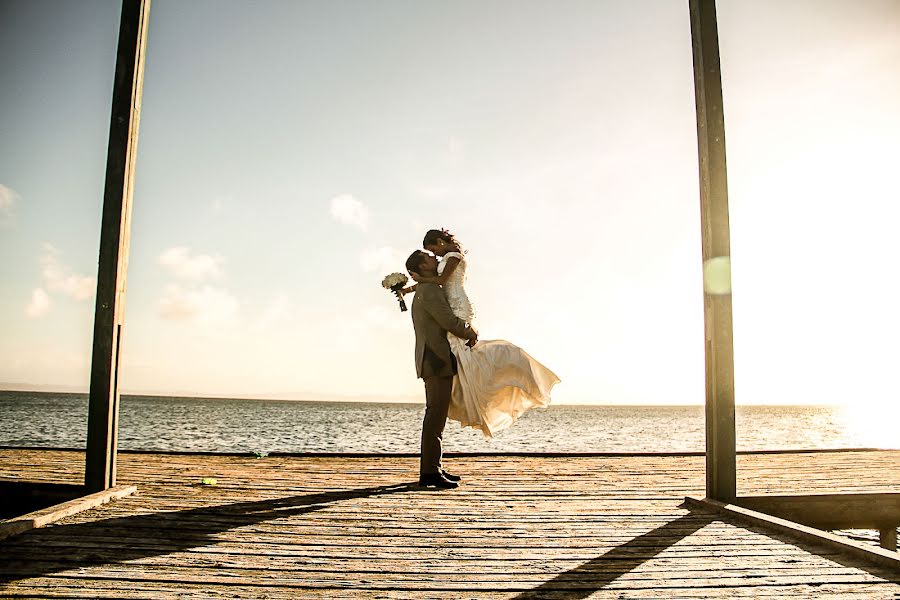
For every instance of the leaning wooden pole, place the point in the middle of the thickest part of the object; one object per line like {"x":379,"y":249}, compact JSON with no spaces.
{"x":103,"y":411}
{"x":721,"y":470}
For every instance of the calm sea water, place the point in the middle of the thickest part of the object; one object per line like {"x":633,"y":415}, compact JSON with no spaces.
{"x":222,"y":425}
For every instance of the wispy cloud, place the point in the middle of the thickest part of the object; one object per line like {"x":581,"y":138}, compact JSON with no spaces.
{"x":348,"y":210}
{"x":59,"y":278}
{"x":8,"y":200}
{"x":39,"y":304}
{"x":278,"y":311}
{"x":384,"y":259}
{"x":456,"y":150}
{"x":205,"y":304}
{"x":433,"y":192}
{"x":217,"y":204}
{"x":181,"y":262}
{"x":379,"y":317}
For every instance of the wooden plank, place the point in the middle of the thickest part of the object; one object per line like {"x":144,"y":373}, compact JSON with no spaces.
{"x":352,"y":527}
{"x":577,"y":579}
{"x":872,"y":554}
{"x":831,"y":511}
{"x":40,"y":518}
{"x":721,"y":470}
{"x":100,"y":465}
{"x":114,"y":589}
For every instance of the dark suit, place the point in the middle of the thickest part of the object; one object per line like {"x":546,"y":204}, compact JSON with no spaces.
{"x":435,"y":364}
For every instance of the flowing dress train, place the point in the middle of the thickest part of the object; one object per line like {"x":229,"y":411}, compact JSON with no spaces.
{"x":496,"y":381}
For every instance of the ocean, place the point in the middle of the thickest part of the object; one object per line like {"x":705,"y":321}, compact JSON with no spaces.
{"x":238,"y":425}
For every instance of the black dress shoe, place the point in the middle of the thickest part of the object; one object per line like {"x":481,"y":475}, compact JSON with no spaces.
{"x":437,"y":480}
{"x":450,"y":477}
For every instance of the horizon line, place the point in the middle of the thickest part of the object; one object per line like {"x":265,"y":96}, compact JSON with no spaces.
{"x":338,"y":399}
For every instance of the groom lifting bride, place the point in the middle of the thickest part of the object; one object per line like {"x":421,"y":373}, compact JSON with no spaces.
{"x":435,"y":364}
{"x":487,"y":386}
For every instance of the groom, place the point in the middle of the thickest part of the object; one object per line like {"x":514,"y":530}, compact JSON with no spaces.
{"x":435,"y":364}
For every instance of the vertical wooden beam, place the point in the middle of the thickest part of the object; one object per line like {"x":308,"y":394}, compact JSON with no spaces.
{"x":720,"y":430}
{"x":103,"y":411}
{"x":887,"y":538}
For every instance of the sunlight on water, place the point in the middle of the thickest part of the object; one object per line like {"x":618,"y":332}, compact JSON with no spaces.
{"x":872,"y":426}
{"x":195,"y":424}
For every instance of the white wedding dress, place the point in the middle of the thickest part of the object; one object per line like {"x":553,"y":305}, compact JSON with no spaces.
{"x":496,"y":381}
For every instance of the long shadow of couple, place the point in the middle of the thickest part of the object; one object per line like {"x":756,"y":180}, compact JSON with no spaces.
{"x":42,"y":552}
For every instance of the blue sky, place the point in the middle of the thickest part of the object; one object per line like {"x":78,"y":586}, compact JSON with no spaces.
{"x":292,"y":154}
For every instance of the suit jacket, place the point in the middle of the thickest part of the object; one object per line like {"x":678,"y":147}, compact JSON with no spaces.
{"x":432,"y":319}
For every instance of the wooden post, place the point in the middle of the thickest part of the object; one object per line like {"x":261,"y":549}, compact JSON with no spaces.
{"x":720,"y":431}
{"x":887,"y":538}
{"x":103,"y":417}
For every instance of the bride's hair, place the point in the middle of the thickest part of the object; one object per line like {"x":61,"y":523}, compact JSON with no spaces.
{"x":433,"y":235}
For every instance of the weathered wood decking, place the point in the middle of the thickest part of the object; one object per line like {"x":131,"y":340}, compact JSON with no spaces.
{"x":520,"y":527}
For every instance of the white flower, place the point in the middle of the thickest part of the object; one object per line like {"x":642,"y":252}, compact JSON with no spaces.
{"x":393,"y":280}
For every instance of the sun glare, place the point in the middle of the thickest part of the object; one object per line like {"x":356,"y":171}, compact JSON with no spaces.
{"x":872,"y":424}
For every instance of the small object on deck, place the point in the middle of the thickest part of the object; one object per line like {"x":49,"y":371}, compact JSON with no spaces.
{"x":208,"y":481}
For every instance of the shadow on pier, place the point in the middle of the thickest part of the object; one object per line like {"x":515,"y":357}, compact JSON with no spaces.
{"x":123,"y":539}
{"x":521,"y":527}
{"x":596,"y":574}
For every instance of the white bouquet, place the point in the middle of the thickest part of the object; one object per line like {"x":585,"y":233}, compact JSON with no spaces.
{"x":395,"y":283}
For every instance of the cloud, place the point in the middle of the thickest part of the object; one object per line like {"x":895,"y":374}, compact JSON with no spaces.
{"x":384,"y":259}
{"x":8,"y":200}
{"x":60,"y":279}
{"x":220,"y":204}
{"x":348,"y":210}
{"x":278,"y":311}
{"x":380,"y":317}
{"x":205,"y":304}
{"x":456,"y":150}
{"x":39,"y":305}
{"x":192,"y":267}
{"x":434,"y":192}
{"x":376,"y":315}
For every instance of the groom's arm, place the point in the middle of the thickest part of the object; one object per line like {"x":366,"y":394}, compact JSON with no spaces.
{"x":435,"y":302}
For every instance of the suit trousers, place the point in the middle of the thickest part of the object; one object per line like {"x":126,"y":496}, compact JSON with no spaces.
{"x":437,"y":402}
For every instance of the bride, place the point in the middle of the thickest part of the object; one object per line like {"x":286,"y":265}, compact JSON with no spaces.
{"x":496,"y":381}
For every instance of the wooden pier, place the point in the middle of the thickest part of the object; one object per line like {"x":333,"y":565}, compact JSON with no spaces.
{"x":349,"y":527}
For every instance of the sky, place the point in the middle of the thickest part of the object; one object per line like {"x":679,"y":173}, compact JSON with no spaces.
{"x":292,"y":154}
